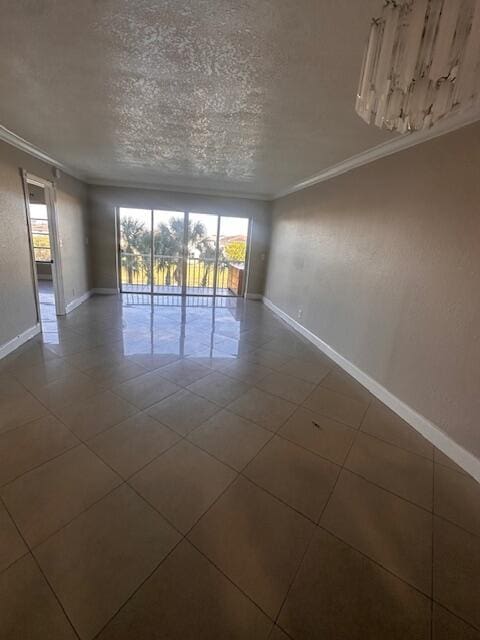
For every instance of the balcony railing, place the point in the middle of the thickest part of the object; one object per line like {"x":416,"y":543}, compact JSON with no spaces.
{"x":168,"y":274}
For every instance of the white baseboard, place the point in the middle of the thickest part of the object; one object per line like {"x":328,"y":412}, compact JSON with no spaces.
{"x":76,"y":302}
{"x":16,"y":342}
{"x":104,"y":292}
{"x":430,"y":431}
{"x":254,"y":296}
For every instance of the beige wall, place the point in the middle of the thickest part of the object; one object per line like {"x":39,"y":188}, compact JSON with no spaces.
{"x":73,"y":224}
{"x":17,"y":301}
{"x":103,"y":201}
{"x":385,"y":264}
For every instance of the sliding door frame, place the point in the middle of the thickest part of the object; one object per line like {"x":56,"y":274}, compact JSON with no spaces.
{"x":186,"y":222}
{"x":185,"y":255}
{"x":152,"y":251}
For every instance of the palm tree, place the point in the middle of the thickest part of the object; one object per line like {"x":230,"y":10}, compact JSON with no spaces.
{"x":169,"y":246}
{"x":165,"y":250}
{"x":197,"y":242}
{"x":132,"y":234}
{"x":144,"y":252}
{"x":207,"y":253}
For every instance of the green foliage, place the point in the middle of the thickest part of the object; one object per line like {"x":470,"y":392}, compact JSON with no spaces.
{"x":41,"y":247}
{"x":168,"y":250}
{"x":236,"y":250}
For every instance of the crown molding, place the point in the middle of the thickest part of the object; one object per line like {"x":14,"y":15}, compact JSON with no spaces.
{"x":20,"y":143}
{"x":177,"y":189}
{"x":399,"y":143}
{"x":16,"y":141}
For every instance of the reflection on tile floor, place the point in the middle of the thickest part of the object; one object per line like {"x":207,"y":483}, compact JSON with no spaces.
{"x":186,"y":469}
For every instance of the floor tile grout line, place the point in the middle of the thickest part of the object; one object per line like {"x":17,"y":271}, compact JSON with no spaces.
{"x":253,"y":385}
{"x":248,"y":479}
{"x":76,"y":516}
{"x":79,"y":444}
{"x":304,"y":448}
{"x":319,"y":519}
{"x":225,"y":408}
{"x":273,"y":433}
{"x":117,"y":486}
{"x":356,"y":436}
{"x":393,"y":493}
{"x":109,"y":383}
{"x":375,"y":562}
{"x":158,"y":370}
{"x":397,"y":446}
{"x":41,"y":364}
{"x":56,"y":412}
{"x":283,"y":630}
{"x":459,"y":471}
{"x":229,"y":411}
{"x":395,"y":575}
{"x":301,"y":405}
{"x":18,"y":558}
{"x":37,"y":466}
{"x":127,"y":481}
{"x":68,"y":404}
{"x":414,"y":504}
{"x":306,"y":550}
{"x":37,"y":564}
{"x":118,"y":424}
{"x":232,"y":582}
{"x":222,"y":406}
{"x":149,"y":405}
{"x":85,"y":441}
{"x":24,"y":424}
{"x":111,"y":389}
{"x":183,"y":537}
{"x":157,"y":566}
{"x":456,"y":615}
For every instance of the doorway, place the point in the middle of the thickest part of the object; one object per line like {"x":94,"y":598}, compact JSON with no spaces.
{"x":43,"y":240}
{"x":182,"y":253}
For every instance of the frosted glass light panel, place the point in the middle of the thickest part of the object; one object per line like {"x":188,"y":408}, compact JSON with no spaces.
{"x":421,"y":63}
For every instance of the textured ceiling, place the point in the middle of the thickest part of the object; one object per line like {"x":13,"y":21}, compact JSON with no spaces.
{"x":246,"y":96}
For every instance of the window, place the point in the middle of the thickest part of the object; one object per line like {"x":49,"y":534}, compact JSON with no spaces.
{"x":40,"y":232}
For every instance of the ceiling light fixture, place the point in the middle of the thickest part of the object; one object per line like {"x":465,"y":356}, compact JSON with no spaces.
{"x":421,"y":63}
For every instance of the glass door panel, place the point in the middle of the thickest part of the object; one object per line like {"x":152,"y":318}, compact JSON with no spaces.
{"x":232,"y":256}
{"x":135,"y":250}
{"x":171,"y":252}
{"x":202,"y":253}
{"x":168,"y":251}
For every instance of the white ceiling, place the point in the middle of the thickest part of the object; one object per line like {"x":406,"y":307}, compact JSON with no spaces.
{"x":243,"y":96}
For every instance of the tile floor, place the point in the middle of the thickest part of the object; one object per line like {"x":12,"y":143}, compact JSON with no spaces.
{"x":183,"y":470}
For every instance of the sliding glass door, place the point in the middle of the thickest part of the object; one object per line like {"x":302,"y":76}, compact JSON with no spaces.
{"x":135,"y":246}
{"x":232,"y":256}
{"x":168,"y":252}
{"x":202,"y":253}
{"x":184,"y":253}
